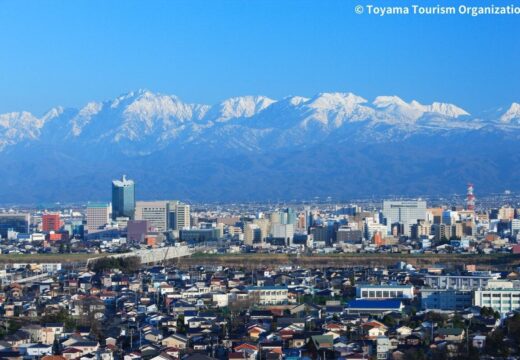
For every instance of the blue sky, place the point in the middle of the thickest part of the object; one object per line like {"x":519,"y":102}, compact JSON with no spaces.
{"x":69,"y":52}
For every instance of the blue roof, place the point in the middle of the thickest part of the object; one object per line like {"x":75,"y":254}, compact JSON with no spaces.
{"x":374,"y":304}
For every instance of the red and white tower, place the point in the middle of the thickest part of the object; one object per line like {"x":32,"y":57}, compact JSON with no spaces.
{"x":470,"y":198}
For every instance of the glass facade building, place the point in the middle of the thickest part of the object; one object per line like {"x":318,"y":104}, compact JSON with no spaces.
{"x":15,"y":222}
{"x":123,"y":198}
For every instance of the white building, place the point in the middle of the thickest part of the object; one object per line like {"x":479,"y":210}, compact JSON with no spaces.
{"x":285,"y":231}
{"x":383,"y":347}
{"x":180,"y":217}
{"x":405,"y":212}
{"x":501,"y":300}
{"x":268,"y":295}
{"x":384,"y":292}
{"x":476,"y":280}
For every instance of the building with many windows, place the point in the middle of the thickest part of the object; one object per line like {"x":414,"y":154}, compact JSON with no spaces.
{"x":98,"y":216}
{"x":384,"y":292}
{"x":155,"y":212}
{"x":501,"y":300}
{"x":268,"y":295}
{"x":179,"y":215}
{"x":446,"y":299}
{"x":123,"y":198}
{"x":406,"y":213}
{"x":470,"y":281}
{"x":51,"y":222}
{"x":18,"y":222}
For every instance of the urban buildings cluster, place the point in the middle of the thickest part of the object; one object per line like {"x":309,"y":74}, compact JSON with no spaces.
{"x":280,"y":312}
{"x":120,"y":307}
{"x":395,"y":226}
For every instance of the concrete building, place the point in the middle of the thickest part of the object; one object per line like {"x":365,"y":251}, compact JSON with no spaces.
{"x":98,"y":216}
{"x":136,"y":231}
{"x":155,"y":212}
{"x":265,"y":226}
{"x":18,"y":222}
{"x":283,"y":231}
{"x":446,"y":299}
{"x":51,"y":222}
{"x":179,"y":215}
{"x":384,"y":292}
{"x":471,"y":281}
{"x":349,"y":235}
{"x":252,"y":234}
{"x":501,"y":300}
{"x":404,"y":212}
{"x":268,"y":295}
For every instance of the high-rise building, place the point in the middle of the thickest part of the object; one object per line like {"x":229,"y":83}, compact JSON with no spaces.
{"x":155,"y":212}
{"x":285,"y":216}
{"x":283,"y":231}
{"x":406,"y":212}
{"x":265,"y":226}
{"x":98,"y":215}
{"x":123,"y":198}
{"x":252,"y":234}
{"x":18,"y":222}
{"x":179,"y":215}
{"x":51,"y":222}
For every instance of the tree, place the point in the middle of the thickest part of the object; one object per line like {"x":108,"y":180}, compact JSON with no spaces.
{"x":389,"y":320}
{"x":128,"y":264}
{"x":181,"y":327}
{"x":495,"y":343}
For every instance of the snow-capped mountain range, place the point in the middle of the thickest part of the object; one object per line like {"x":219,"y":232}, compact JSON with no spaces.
{"x":256,"y":144}
{"x":154,"y":120}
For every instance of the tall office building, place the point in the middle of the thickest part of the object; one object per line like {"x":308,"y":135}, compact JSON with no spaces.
{"x":265,"y":226}
{"x":252,"y":234}
{"x":123,"y":198}
{"x":284,"y":217}
{"x":18,"y":222}
{"x":179,"y":215}
{"x":283,"y":231}
{"x":155,"y":212}
{"x":51,"y":222}
{"x":98,"y":215}
{"x":404,"y":212}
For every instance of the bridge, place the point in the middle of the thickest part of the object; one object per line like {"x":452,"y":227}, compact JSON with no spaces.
{"x":156,"y":255}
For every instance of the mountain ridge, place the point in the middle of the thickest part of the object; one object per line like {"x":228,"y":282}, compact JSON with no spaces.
{"x":255,"y":147}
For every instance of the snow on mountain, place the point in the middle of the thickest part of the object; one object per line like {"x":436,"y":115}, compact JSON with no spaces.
{"x":20,"y":126}
{"x":146,"y":121}
{"x":513,"y":113}
{"x":333,"y":109}
{"x":239,"y":107}
{"x":395,"y":110}
{"x":84,"y":116}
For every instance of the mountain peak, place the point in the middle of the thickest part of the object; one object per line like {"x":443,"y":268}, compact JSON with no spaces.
{"x":239,"y":107}
{"x":513,"y":113}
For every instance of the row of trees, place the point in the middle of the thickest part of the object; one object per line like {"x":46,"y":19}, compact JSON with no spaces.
{"x":128,"y":264}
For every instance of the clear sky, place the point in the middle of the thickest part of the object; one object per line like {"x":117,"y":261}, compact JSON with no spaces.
{"x":70,"y":52}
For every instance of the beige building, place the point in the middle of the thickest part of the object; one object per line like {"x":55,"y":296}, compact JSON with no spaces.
{"x":155,"y":212}
{"x":98,"y":216}
{"x":180,"y":216}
